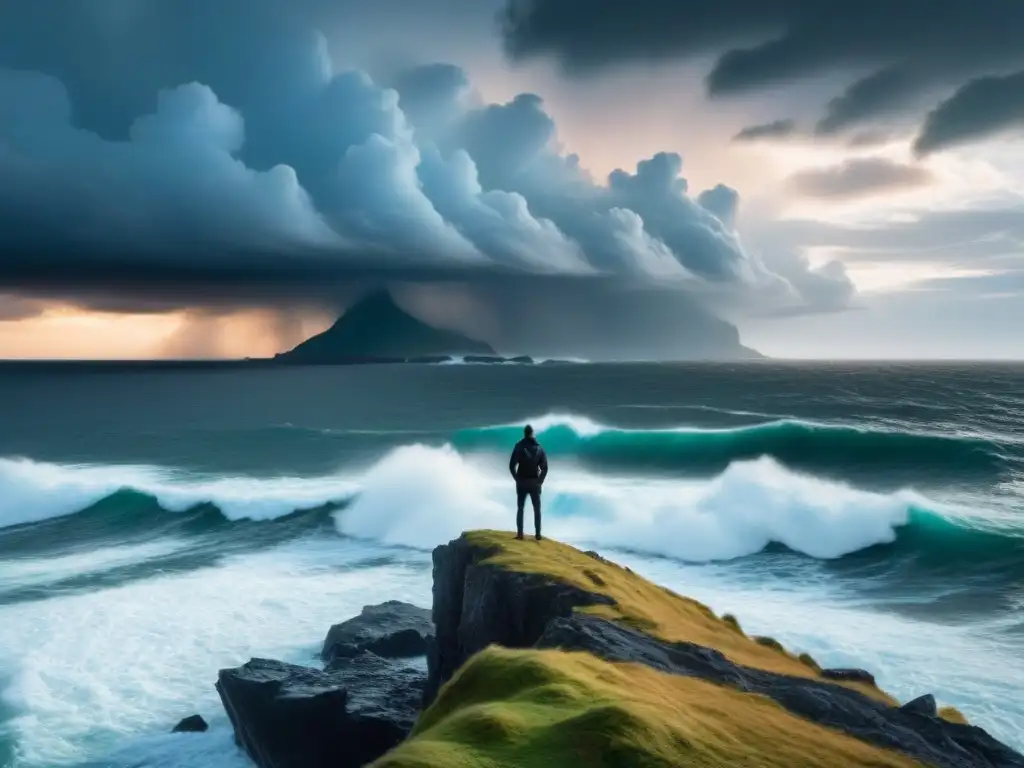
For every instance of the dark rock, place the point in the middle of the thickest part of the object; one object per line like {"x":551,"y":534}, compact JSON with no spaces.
{"x":849,"y":676}
{"x":191,"y":724}
{"x":286,"y":716}
{"x":393,"y":629}
{"x":429,"y":359}
{"x":476,"y":605}
{"x":376,"y":329}
{"x":922,"y":705}
{"x":909,"y":729}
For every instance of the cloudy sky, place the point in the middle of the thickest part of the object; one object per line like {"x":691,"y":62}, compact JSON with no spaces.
{"x":203,"y":178}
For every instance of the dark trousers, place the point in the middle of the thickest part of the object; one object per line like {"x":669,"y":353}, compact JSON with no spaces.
{"x":533,"y":491}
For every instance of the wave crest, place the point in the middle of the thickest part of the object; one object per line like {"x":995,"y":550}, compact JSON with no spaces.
{"x":794,"y":442}
{"x":420,"y":496}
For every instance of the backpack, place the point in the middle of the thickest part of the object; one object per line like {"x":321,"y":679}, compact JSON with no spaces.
{"x":529,"y":460}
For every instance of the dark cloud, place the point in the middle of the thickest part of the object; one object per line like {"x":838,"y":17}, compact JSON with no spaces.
{"x":18,"y":308}
{"x":982,"y":108}
{"x":206,"y":155}
{"x":886,"y":90}
{"x":776,"y":129}
{"x":859,"y":178}
{"x":775,"y":40}
{"x":908,"y":47}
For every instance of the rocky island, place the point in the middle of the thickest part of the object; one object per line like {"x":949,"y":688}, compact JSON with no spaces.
{"x":376,"y":329}
{"x":539,"y":654}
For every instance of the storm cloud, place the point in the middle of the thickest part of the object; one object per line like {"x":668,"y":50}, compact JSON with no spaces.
{"x":983,"y":107}
{"x":776,"y":129}
{"x":158,"y":155}
{"x":897,"y":55}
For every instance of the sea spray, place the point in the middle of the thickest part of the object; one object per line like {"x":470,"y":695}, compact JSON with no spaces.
{"x":419,"y":496}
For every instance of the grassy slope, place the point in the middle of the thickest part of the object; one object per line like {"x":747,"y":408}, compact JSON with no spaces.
{"x":648,"y":607}
{"x":520,"y":709}
{"x":547,"y":709}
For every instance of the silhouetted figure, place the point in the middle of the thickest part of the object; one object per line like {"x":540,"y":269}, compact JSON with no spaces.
{"x":529,"y":467}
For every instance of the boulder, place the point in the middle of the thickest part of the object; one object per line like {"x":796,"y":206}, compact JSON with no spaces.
{"x":287,"y":716}
{"x":191,"y":724}
{"x":849,"y":676}
{"x":922,"y":705}
{"x":393,"y":630}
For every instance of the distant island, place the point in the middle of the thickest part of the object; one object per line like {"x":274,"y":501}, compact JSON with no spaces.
{"x":376,"y":328}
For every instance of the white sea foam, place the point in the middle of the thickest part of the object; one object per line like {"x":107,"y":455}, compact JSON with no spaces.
{"x":31,"y":491}
{"x":420,"y":496}
{"x":85,"y":673}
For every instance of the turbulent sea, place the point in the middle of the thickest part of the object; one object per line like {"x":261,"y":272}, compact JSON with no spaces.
{"x":157,"y":525}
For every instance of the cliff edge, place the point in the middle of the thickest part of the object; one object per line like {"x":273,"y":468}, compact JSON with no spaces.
{"x":548,"y":656}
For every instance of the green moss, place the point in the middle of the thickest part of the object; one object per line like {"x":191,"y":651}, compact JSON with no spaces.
{"x":645,"y":606}
{"x":769,"y":642}
{"x":547,"y":709}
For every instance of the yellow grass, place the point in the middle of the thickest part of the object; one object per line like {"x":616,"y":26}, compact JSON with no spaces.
{"x":648,"y":607}
{"x":549,"y":709}
{"x":953,"y":715}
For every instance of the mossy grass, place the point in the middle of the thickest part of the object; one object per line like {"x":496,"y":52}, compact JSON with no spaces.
{"x":547,"y":709}
{"x":647,"y":606}
{"x":953,"y":715}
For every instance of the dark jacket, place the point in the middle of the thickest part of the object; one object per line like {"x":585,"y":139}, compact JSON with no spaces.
{"x":526,"y":456}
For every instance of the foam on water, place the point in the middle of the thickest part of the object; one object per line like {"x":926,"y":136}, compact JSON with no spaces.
{"x":31,"y":491}
{"x":419,"y":496}
{"x":104,"y":673}
{"x":42,"y":570}
{"x":85,"y":674}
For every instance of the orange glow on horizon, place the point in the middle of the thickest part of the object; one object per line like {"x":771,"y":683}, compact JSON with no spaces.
{"x":64,"y":332}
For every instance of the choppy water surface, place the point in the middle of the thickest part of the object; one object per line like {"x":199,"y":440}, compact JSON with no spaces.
{"x":158,"y":525}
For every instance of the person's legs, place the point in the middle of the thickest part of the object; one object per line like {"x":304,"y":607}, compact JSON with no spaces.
{"x":535,"y":501}
{"x":520,"y":500}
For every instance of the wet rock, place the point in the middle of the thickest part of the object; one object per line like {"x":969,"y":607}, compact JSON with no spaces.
{"x":393,"y":630}
{"x":287,"y":716}
{"x":191,"y":724}
{"x":849,"y":676}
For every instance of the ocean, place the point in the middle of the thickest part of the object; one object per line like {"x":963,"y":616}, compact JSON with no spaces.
{"x":157,"y":525}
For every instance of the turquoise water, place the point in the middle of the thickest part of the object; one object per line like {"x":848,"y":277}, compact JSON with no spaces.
{"x":158,"y":525}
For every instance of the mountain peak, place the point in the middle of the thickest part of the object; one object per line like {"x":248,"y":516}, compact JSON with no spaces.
{"x":376,"y":327}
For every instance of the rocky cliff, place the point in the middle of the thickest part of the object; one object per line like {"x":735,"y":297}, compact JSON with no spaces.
{"x":543,"y":655}
{"x":490,"y":589}
{"x":376,"y":328}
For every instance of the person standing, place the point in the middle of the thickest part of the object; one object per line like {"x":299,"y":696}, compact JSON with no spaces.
{"x":529,"y":466}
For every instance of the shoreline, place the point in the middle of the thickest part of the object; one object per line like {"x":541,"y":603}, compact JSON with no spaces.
{"x":548,"y":614}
